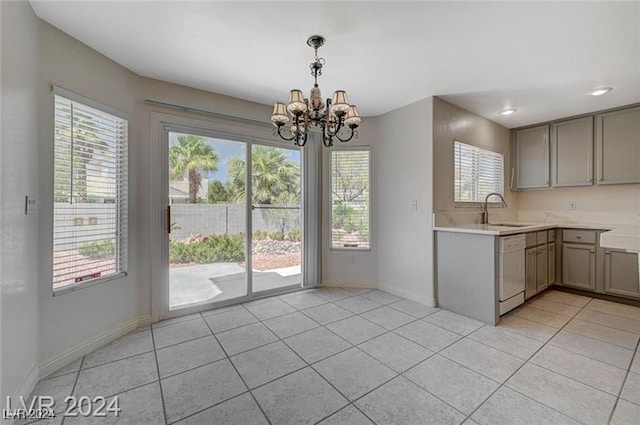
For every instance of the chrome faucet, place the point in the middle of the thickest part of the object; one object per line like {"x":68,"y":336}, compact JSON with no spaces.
{"x":485,"y":212}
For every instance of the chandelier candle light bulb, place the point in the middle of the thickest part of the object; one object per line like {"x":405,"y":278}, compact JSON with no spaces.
{"x":331,"y":117}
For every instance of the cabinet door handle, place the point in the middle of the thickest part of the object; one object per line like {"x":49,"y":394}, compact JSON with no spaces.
{"x":578,"y":237}
{"x":592,"y":251}
{"x":607,"y":252}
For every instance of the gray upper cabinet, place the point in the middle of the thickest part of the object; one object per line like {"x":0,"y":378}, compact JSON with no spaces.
{"x":572,"y":152}
{"x":621,"y":273}
{"x":618,"y":146}
{"x":532,"y":157}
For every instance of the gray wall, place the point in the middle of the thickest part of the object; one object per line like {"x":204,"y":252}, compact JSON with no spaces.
{"x":18,"y":177}
{"x":191,"y":219}
{"x":403,"y":174}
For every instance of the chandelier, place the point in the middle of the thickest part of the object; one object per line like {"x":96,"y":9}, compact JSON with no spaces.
{"x":332,"y":119}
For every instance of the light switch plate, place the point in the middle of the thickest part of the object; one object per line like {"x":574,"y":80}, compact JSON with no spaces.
{"x":30,"y":205}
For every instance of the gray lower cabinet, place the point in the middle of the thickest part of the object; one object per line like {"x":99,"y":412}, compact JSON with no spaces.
{"x":536,"y":270}
{"x":542,"y":278}
{"x":530,"y":267}
{"x":621,"y":273}
{"x":551,"y":263}
{"x":579,"y":266}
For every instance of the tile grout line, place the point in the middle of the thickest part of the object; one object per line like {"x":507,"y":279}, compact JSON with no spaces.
{"x":75,"y":383}
{"x":237,"y":373}
{"x":155,"y":356}
{"x":386,"y":331}
{"x":520,"y":367}
{"x":310,"y":365}
{"x":606,"y":342}
{"x":624,"y":381}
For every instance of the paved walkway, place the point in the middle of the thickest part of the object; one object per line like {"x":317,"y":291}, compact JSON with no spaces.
{"x":223,"y":281}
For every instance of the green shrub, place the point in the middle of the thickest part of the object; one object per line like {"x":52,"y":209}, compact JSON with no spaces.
{"x":295,"y":235}
{"x":97,"y":249}
{"x":211,"y":249}
{"x":260,"y":235}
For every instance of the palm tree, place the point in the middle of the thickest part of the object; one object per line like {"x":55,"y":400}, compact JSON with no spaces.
{"x":272,"y":175}
{"x":191,"y":155}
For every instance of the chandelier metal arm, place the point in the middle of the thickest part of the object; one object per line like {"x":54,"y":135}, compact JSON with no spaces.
{"x":353,"y":133}
{"x":288,"y":139}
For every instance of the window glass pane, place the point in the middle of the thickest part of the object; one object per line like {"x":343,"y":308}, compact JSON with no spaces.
{"x":90,"y":194}
{"x":350,"y":199}
{"x":477,"y":173}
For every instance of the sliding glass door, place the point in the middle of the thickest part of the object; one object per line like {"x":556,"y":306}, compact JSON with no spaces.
{"x":224,"y":196}
{"x":276,"y":243}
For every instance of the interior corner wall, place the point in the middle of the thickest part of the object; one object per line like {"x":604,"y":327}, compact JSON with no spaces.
{"x":78,"y":321}
{"x":451,"y":123}
{"x":18,"y":178}
{"x":354,"y":269}
{"x":403,"y":176}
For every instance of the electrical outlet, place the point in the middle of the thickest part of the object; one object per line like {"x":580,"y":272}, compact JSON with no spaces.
{"x":414,"y":205}
{"x":572,"y":205}
{"x":30,"y":207}
{"x":353,"y":260}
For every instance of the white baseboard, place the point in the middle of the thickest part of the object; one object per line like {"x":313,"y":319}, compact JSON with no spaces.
{"x":343,"y":284}
{"x":86,"y":347}
{"x":410,"y":295}
{"x":29,"y":382}
{"x":145,"y":320}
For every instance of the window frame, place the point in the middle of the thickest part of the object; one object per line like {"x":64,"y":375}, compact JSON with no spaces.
{"x":370,"y":168}
{"x":123,"y":237}
{"x":492,"y":202}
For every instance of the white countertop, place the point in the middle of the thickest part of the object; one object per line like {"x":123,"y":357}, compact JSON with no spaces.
{"x":623,"y":237}
{"x":502,"y":229}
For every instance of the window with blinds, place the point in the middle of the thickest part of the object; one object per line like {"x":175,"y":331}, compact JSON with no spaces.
{"x":478,"y":172}
{"x":350,"y":199}
{"x":90,"y":192}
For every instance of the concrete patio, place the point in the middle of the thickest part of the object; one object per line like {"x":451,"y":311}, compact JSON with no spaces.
{"x":223,"y":281}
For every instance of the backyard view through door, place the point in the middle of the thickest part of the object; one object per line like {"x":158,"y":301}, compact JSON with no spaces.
{"x":210,"y":230}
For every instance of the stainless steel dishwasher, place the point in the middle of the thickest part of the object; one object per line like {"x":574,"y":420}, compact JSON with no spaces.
{"x":511,"y":272}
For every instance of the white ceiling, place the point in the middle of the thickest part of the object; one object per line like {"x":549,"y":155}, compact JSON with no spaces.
{"x":538,"y":57}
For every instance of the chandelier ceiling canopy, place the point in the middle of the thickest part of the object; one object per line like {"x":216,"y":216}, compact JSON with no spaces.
{"x":335,"y":118}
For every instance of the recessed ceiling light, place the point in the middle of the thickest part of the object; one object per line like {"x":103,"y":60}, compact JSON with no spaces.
{"x":600,"y":91}
{"x":509,"y":111}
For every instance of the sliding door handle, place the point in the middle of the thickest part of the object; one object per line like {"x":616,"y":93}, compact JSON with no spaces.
{"x":168,"y":219}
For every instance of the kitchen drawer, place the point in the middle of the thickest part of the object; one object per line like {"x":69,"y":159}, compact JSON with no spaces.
{"x":579,"y":236}
{"x":551,"y":236}
{"x":531,"y":239}
{"x":541,"y":237}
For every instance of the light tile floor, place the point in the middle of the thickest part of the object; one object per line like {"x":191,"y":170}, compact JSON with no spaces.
{"x":336,"y":356}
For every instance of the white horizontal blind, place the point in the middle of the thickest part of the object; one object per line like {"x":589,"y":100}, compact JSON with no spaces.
{"x":478,"y":172}
{"x":90,"y":194}
{"x":350,"y":200}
